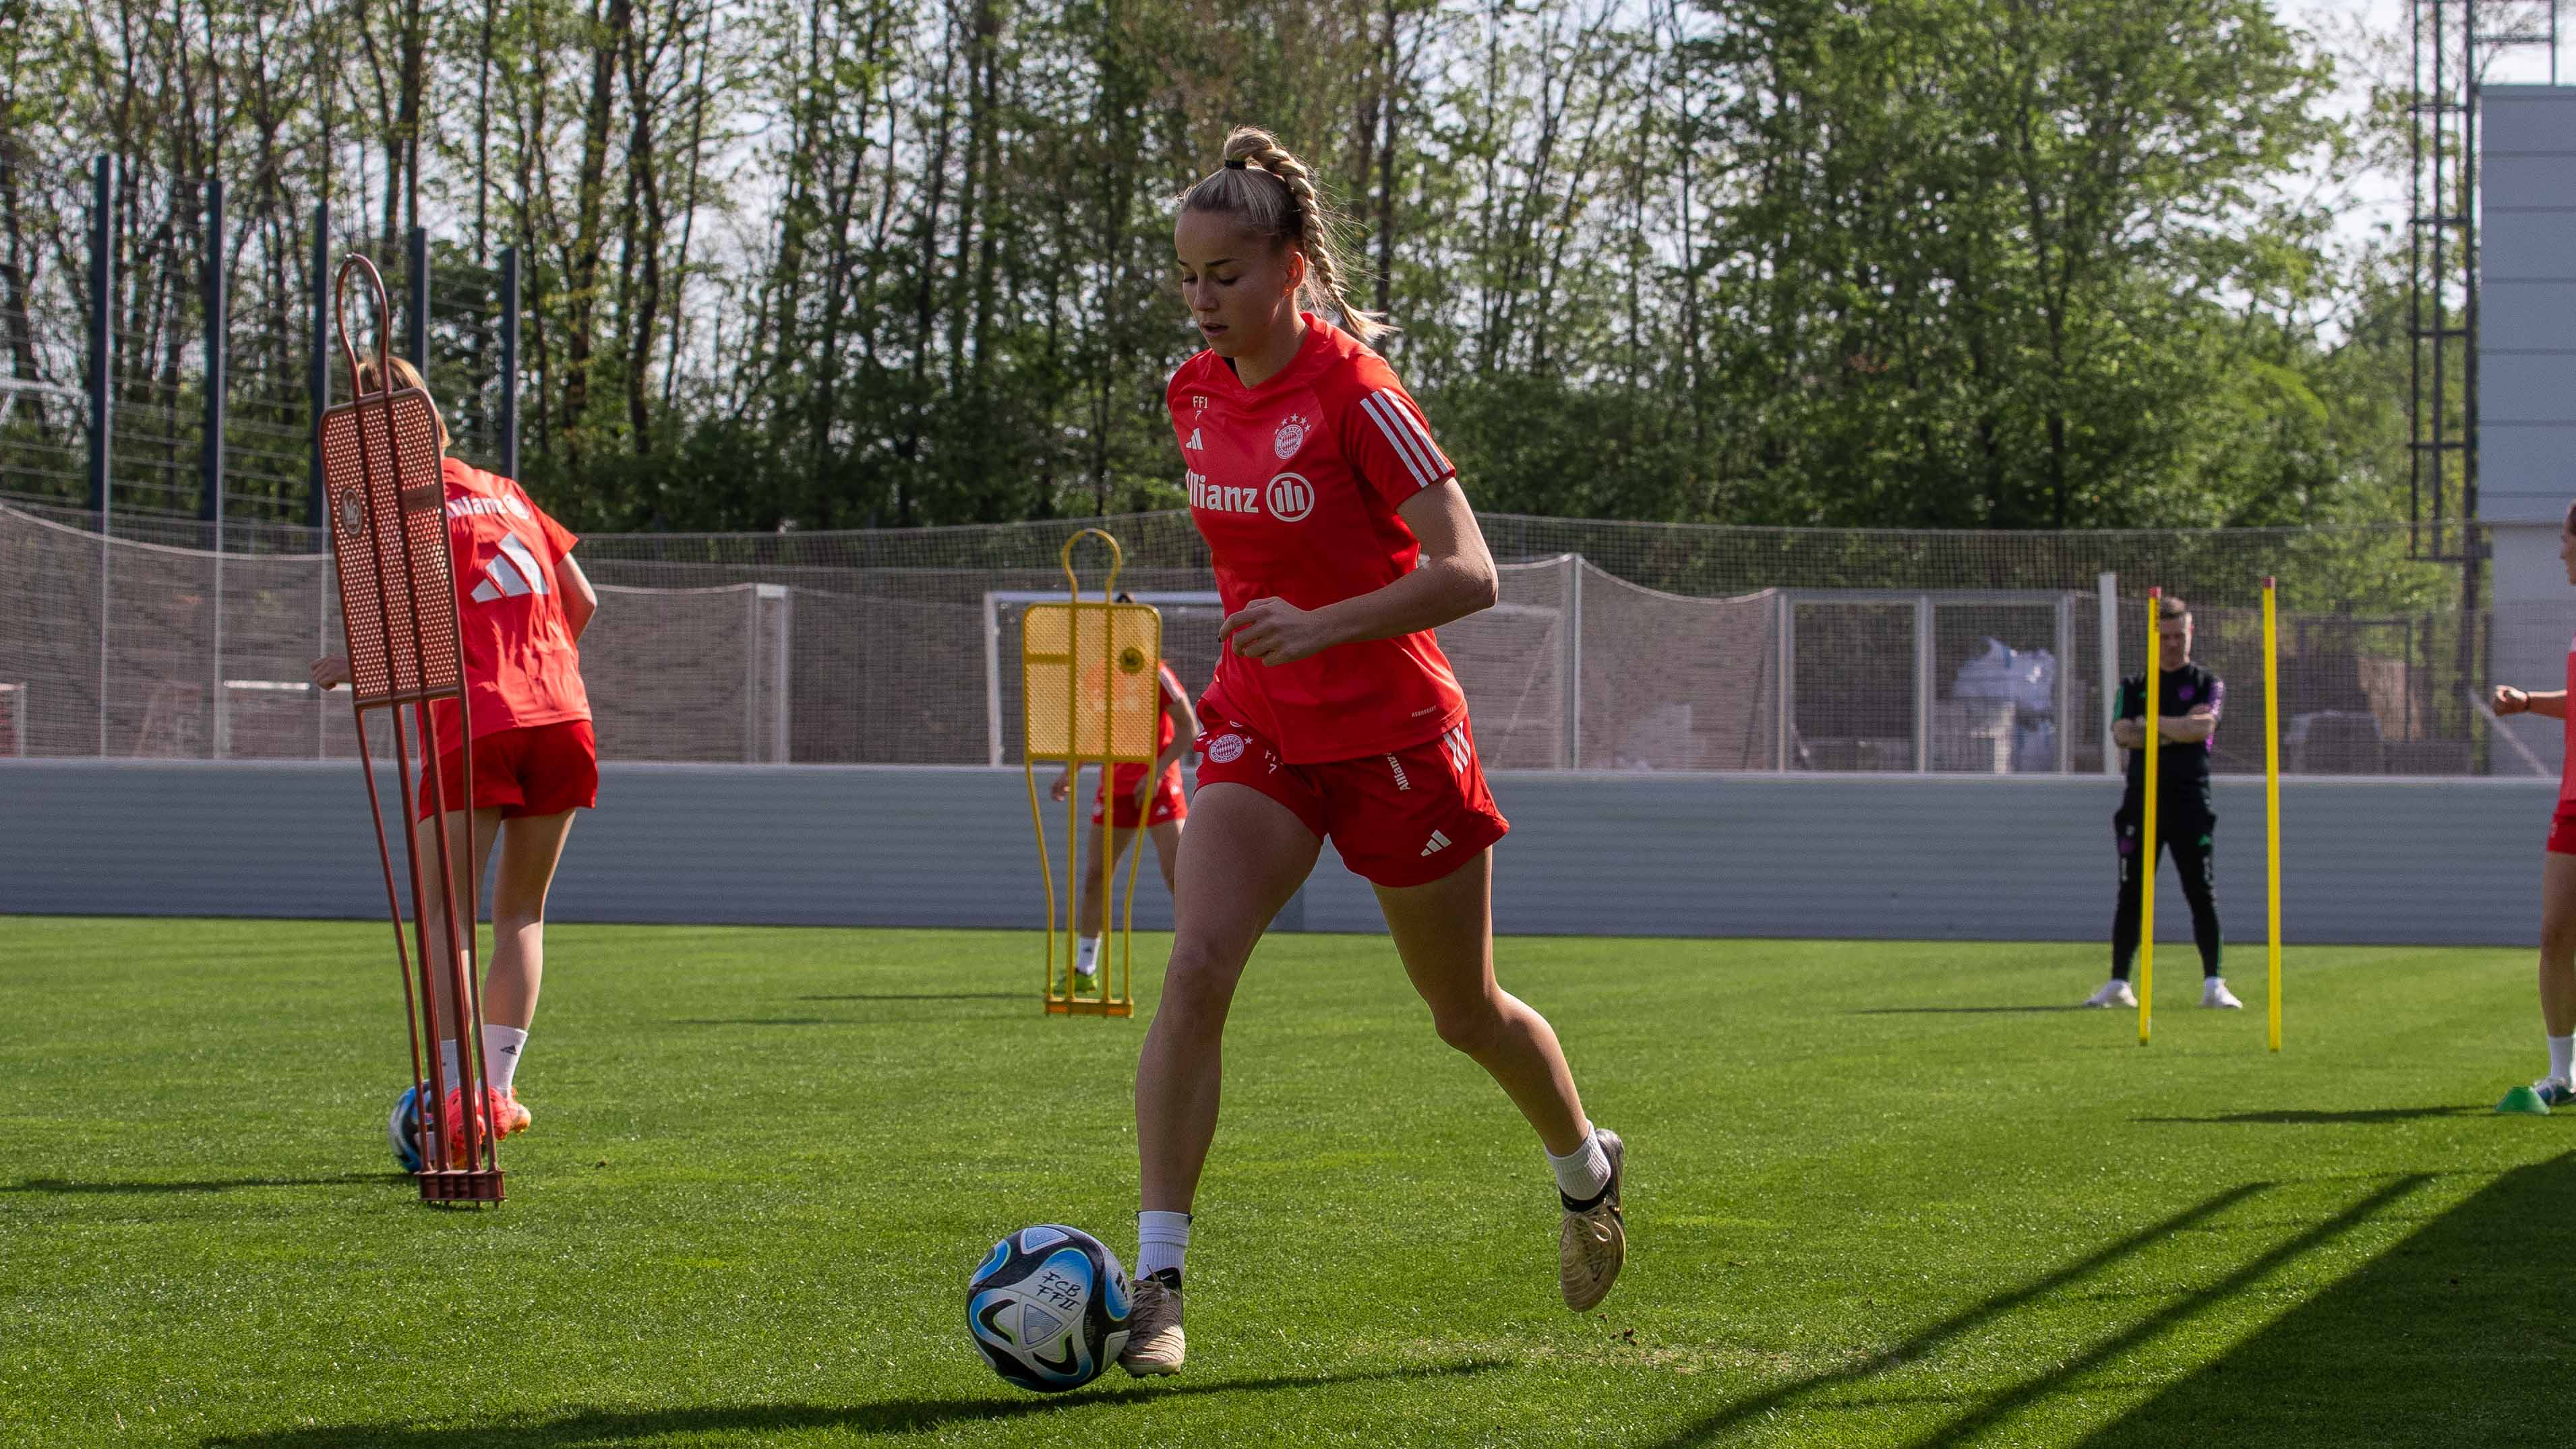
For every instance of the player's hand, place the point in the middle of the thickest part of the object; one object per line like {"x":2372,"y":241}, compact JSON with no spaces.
{"x":330,"y":672}
{"x":1274,"y":631}
{"x":1062,"y":787}
{"x":2508,"y":700}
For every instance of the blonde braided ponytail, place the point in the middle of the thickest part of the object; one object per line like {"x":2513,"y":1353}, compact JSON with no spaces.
{"x":1290,"y":213}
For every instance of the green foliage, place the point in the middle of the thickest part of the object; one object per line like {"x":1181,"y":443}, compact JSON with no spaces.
{"x":1927,"y":263}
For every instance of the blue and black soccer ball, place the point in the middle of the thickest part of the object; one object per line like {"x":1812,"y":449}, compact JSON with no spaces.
{"x":1048,"y":1308}
{"x":403,"y":1130}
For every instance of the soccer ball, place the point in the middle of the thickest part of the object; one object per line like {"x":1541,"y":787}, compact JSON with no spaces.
{"x":1048,"y":1308}
{"x":403,"y":1130}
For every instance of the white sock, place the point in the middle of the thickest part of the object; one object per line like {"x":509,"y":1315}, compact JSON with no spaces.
{"x":448,"y":1058}
{"x":1584,"y":1173}
{"x":1161,"y":1241}
{"x":1086,"y":955}
{"x":501,"y":1046}
{"x":2562,"y":1057}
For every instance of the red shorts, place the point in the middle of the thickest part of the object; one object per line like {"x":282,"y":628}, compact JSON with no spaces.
{"x":2562,"y":830}
{"x":1169,"y":806}
{"x":1402,"y":819}
{"x":533,"y":770}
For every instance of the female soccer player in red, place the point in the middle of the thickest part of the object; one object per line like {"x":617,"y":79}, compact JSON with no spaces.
{"x":1159,"y":812}
{"x":521,"y":605}
{"x":1340,"y":540}
{"x":2557,"y":1087}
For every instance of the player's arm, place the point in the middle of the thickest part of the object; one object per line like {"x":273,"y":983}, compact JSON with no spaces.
{"x":1454,"y":578}
{"x":2189,"y":729}
{"x":2128,"y":731}
{"x":2551,"y":703}
{"x":1185,"y":732}
{"x":581,"y":601}
{"x":330,"y":672}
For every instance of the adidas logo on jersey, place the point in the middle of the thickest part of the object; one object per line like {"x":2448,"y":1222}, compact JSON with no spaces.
{"x":513,"y":572}
{"x":1461,"y":754}
{"x":1195,"y":444}
{"x":1439,"y":842}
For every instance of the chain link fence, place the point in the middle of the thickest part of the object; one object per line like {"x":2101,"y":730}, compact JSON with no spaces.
{"x":1637,"y":648}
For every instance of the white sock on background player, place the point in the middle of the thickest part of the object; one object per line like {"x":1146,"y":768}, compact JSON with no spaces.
{"x":1584,"y":1173}
{"x":1162,"y":1240}
{"x":1086,"y":955}
{"x":453,"y":1062}
{"x":501,"y":1047}
{"x":2562,"y":1057}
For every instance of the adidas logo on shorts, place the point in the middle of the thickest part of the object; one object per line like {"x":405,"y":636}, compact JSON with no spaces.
{"x":1439,"y":842}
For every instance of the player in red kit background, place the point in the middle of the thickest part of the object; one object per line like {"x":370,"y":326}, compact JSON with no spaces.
{"x":1340,"y":539}
{"x":521,"y":605}
{"x":2557,"y":1086}
{"x":1141,"y":798}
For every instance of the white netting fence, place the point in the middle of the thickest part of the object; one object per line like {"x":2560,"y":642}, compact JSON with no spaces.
{"x":1614,"y":646}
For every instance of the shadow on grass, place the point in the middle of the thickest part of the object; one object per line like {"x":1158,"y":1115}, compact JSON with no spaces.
{"x":1709,"y":1428}
{"x":926,"y":996}
{"x":232,"y":1184}
{"x":2360,"y":1114}
{"x":2458,"y":1335}
{"x":1993,"y":1411}
{"x":1962,"y":1010}
{"x":883,"y":1416}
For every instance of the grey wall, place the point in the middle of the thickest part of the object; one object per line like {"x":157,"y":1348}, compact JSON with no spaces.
{"x":1890,"y":856}
{"x":2527,"y":381}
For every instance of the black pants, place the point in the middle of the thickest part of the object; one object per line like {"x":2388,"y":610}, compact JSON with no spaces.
{"x":2186,"y":826}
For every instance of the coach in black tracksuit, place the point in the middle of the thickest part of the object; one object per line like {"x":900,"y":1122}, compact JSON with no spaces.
{"x":2189,"y":699}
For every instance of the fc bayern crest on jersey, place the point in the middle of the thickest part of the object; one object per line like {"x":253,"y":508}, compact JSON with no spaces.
{"x":1290,"y":437}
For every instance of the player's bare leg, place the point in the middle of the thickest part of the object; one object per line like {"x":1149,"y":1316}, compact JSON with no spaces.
{"x":1167,"y":853}
{"x":2558,"y":974}
{"x":1242,"y":859}
{"x":1444,"y":931}
{"x":1099,"y":878}
{"x":531,"y":846}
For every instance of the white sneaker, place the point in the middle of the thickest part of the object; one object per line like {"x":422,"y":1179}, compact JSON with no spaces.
{"x":1155,"y":1344}
{"x":2114,"y":993}
{"x":2214,"y":994}
{"x":1592,"y":1242}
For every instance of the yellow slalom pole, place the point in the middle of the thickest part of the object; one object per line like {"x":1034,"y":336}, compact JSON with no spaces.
{"x":2272,"y":797}
{"x":2153,"y":695}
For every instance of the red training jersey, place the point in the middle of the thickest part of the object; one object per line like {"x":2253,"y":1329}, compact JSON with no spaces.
{"x":521,"y":664}
{"x":1295,"y":484}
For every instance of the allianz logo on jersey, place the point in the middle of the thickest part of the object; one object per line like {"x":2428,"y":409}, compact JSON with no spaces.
{"x":513,"y":573}
{"x":1288,"y":497}
{"x":483,"y":507}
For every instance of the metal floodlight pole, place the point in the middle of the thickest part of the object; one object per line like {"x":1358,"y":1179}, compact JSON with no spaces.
{"x":317,"y":378}
{"x":102,"y":289}
{"x":509,"y":362}
{"x":218,"y":343}
{"x":416,"y":326}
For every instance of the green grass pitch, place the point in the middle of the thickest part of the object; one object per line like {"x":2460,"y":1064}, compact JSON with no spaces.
{"x":1880,"y":1193}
